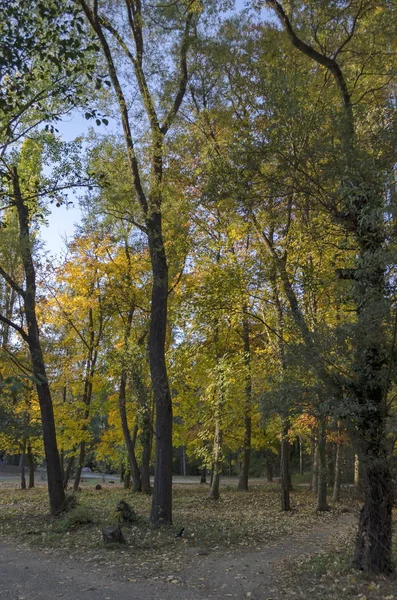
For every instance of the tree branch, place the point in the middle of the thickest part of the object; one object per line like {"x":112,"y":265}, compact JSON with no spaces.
{"x":11,"y":282}
{"x":16,"y":327}
{"x":322,"y":59}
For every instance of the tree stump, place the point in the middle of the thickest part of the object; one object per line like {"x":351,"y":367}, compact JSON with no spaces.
{"x":113,"y":534}
{"x":126,"y":513}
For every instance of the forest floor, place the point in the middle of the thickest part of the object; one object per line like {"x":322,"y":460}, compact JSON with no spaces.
{"x":242,"y":546}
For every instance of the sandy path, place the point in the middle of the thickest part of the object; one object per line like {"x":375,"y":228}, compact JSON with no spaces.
{"x":27,"y":574}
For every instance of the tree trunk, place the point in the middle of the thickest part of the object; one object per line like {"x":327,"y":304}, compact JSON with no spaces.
{"x":129,"y":442}
{"x":269,"y":459}
{"x":22,"y":466}
{"x":338,"y":473}
{"x":244,"y":473}
{"x":68,"y":471}
{"x":216,"y":468}
{"x":284,"y":467}
{"x":31,"y":467}
{"x":322,"y":471}
{"x":300,"y":456}
{"x":203,"y":475}
{"x":314,"y":479}
{"x":80,"y":466}
{"x":54,"y":474}
{"x":127,"y":479}
{"x":161,"y":513}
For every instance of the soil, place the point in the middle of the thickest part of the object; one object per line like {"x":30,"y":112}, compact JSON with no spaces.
{"x":256,"y":573}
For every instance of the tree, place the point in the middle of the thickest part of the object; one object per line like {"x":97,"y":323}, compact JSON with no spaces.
{"x":360,"y":211}
{"x":179,"y":18}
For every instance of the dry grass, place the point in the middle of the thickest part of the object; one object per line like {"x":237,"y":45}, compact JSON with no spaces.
{"x":239,"y":521}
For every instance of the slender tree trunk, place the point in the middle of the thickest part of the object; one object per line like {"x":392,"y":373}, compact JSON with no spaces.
{"x":68,"y":471}
{"x":284,"y":467}
{"x":80,"y":466}
{"x":357,"y":478}
{"x":338,"y":473}
{"x":314,"y":479}
{"x":31,"y":467}
{"x":300,"y":456}
{"x":269,"y":459}
{"x":54,"y":474}
{"x":22,"y":466}
{"x":217,"y":451}
{"x":322,"y":471}
{"x":203,"y":475}
{"x":244,"y":473}
{"x":129,"y":442}
{"x":183,"y":461}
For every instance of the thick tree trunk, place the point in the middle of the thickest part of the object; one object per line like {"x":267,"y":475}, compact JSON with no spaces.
{"x":322,"y":470}
{"x":127,"y":480}
{"x":244,"y":473}
{"x":161,"y":513}
{"x":284,"y":468}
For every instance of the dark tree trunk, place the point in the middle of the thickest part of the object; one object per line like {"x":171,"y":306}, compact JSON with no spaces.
{"x":338,"y":473}
{"x":269,"y":459}
{"x":22,"y":466}
{"x":31,"y":467}
{"x":300,"y":456}
{"x":243,"y":480}
{"x":161,"y":513}
{"x":146,"y":439}
{"x":216,"y":467}
{"x":314,"y":478}
{"x":284,"y":468}
{"x":80,"y":466}
{"x":203,"y":475}
{"x":54,"y":474}
{"x":127,"y":479}
{"x":128,"y":440}
{"x":68,"y":471}
{"x":322,"y":471}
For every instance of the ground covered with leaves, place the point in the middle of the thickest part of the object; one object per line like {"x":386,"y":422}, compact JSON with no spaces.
{"x":239,"y":524}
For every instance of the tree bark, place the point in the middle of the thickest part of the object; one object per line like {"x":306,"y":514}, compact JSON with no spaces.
{"x":269,"y":459}
{"x":284,"y":467}
{"x":338,"y":473}
{"x":322,"y":471}
{"x":362,"y":215}
{"x":314,"y":479}
{"x":22,"y":466}
{"x":203,"y":475}
{"x":68,"y":471}
{"x":31,"y":467}
{"x":244,"y":473}
{"x":161,"y":513}
{"x":216,"y":467}
{"x":54,"y":474}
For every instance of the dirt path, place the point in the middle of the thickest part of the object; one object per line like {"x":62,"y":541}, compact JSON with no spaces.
{"x":27,"y":574}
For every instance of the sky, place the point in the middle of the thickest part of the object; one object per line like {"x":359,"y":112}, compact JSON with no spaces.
{"x":62,"y":220}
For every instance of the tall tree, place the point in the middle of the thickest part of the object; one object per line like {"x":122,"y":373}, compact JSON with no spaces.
{"x":360,"y":211}
{"x":141,"y":45}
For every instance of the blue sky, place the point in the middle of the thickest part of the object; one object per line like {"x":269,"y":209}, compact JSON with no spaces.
{"x":62,"y":220}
